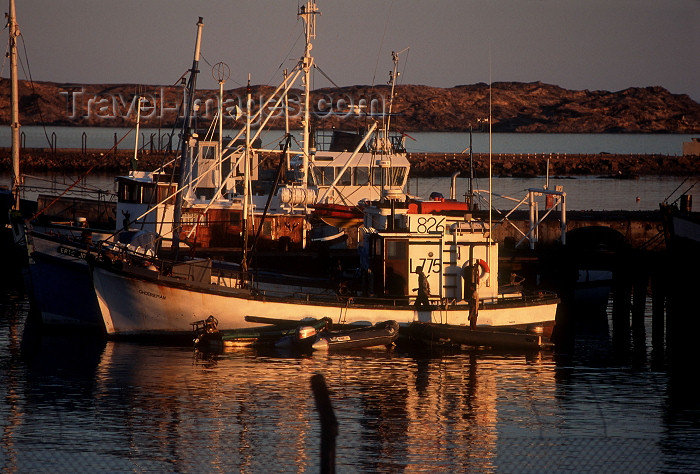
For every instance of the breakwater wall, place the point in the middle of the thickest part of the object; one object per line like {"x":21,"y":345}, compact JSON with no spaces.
{"x":559,"y":164}
{"x":422,"y":164}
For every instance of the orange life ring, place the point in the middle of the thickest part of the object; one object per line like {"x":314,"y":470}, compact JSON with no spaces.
{"x":484,"y":268}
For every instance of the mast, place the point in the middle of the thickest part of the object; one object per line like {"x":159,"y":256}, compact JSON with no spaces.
{"x":221,"y":73}
{"x":246,"y":179}
{"x":488,"y":258}
{"x":471,"y":169}
{"x":185,"y":137}
{"x":393,"y":75}
{"x":14,"y":102}
{"x":135,"y":159}
{"x":308,"y":14}
{"x":286,"y":122}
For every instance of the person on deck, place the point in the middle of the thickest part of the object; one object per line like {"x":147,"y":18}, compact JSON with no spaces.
{"x":473,"y":296}
{"x":422,"y":301}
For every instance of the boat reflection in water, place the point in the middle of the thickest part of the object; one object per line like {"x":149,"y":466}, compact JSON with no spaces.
{"x":246,"y":410}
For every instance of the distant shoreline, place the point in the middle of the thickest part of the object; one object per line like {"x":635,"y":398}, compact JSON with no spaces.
{"x":518,"y":107}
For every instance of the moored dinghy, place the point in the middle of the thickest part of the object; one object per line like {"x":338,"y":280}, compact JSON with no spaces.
{"x":380,"y":334}
{"x":463,"y":336}
{"x":208,"y":336}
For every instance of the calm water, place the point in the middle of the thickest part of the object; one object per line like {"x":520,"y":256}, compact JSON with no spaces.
{"x":72,"y":401}
{"x":434,"y":142}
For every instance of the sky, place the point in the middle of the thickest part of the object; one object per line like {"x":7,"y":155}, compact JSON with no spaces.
{"x":576,"y":44}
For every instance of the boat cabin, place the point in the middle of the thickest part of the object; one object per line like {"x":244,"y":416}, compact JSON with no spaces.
{"x":399,"y":240}
{"x":349,"y":171}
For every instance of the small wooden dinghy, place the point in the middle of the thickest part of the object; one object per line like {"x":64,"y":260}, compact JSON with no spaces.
{"x":451,"y":334}
{"x":208,"y":336}
{"x":380,"y":334}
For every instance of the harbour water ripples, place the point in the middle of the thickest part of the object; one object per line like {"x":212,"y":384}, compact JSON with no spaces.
{"x":72,"y":401}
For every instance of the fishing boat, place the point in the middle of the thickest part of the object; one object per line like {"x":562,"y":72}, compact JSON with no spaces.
{"x":399,"y":237}
{"x":147,"y":296}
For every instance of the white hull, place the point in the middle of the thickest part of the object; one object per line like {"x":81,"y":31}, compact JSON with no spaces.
{"x":133,"y":305}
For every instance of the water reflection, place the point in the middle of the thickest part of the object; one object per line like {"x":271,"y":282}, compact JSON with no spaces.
{"x":71,"y":399}
{"x":397,"y":410}
{"x":167,"y":408}
{"x":10,"y":379}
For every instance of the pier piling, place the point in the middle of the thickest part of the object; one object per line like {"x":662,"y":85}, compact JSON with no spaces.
{"x":658,"y":303}
{"x":639,"y":295}
{"x":622,"y":294}
{"x":329,"y":423}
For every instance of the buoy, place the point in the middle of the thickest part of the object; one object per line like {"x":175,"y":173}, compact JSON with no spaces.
{"x":484,"y":268}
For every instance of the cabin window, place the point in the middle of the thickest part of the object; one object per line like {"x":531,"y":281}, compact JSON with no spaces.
{"x":148,"y":196}
{"x":205,"y":167}
{"x":267,"y":228}
{"x":328,"y":175}
{"x":397,"y":176}
{"x":361,"y":176}
{"x":345,"y":178}
{"x":317,"y":176}
{"x":235,"y":219}
{"x":396,"y":249}
{"x":377,"y":247}
{"x":166,"y":192}
{"x":207,"y":152}
{"x":324,"y":175}
{"x":129,"y":192}
{"x":376,"y":176}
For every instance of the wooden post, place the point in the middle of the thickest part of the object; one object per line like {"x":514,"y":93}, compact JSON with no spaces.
{"x":622,"y":288}
{"x":658,"y":298}
{"x":329,"y":424}
{"x":639,"y":296}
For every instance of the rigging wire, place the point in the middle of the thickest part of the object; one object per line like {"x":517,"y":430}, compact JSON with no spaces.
{"x":326,"y":76}
{"x":678,"y":187}
{"x":286,"y":57}
{"x":381,"y":43}
{"x":28,"y":73}
{"x":405,"y":62}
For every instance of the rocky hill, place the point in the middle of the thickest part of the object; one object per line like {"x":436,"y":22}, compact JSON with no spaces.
{"x":516,"y":107}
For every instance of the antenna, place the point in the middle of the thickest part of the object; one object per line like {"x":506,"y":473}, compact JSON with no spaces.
{"x":14,"y":103}
{"x":308,"y":14}
{"x":393,"y":76}
{"x":490,"y":161}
